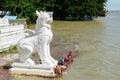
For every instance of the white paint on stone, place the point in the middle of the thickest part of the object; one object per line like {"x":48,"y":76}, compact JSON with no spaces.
{"x":9,"y":35}
{"x":38,"y":41}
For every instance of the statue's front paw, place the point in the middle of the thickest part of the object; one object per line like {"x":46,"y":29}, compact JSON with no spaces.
{"x":54,"y":61}
{"x":30,"y":61}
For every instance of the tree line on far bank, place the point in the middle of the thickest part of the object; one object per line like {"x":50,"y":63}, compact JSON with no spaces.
{"x":63,"y":9}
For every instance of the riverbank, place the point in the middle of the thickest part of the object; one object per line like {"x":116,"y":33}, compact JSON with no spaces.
{"x":98,"y":45}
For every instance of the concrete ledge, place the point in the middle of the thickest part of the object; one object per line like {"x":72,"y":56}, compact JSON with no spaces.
{"x":33,"y":72}
{"x":28,"y":66}
{"x":8,"y":59}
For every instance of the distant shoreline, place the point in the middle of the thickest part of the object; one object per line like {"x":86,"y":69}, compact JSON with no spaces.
{"x":113,"y":10}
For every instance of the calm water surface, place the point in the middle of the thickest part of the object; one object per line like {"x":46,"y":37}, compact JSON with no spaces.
{"x":98,"y":43}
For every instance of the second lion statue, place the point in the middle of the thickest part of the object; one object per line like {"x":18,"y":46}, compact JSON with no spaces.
{"x":39,"y":42}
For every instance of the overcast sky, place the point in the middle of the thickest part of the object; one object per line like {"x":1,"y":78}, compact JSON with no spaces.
{"x":113,"y":5}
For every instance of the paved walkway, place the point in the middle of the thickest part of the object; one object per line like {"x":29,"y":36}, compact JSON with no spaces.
{"x":7,"y":59}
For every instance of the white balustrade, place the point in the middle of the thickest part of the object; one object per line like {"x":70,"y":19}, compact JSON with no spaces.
{"x":9,"y":34}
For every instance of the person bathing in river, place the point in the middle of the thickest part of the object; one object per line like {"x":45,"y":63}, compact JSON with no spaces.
{"x":58,"y":69}
{"x":63,"y":63}
{"x":70,"y":57}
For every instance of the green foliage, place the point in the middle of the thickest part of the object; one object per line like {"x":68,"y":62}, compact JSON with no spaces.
{"x":12,"y":49}
{"x":21,"y":8}
{"x":62,"y":8}
{"x":79,"y":8}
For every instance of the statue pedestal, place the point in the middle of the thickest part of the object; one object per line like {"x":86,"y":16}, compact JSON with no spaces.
{"x":35,"y":70}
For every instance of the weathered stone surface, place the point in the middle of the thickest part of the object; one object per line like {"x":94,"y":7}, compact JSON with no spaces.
{"x":4,"y":75}
{"x":34,"y":72}
{"x":36,"y":66}
{"x":7,"y":59}
{"x":10,"y":34}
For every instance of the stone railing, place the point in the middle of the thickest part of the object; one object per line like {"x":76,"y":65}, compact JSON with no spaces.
{"x":4,"y":22}
{"x":10,"y":34}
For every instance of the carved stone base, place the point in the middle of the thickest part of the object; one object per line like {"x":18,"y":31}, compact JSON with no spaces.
{"x":35,"y":70}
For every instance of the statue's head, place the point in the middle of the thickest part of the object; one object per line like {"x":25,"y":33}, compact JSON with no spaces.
{"x":44,"y":17}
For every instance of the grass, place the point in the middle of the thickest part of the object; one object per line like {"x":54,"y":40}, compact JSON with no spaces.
{"x":10,"y":50}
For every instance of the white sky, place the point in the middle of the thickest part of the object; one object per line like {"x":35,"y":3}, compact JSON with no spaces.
{"x":113,"y":5}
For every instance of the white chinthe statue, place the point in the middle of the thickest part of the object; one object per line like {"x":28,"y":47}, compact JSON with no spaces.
{"x":39,"y":42}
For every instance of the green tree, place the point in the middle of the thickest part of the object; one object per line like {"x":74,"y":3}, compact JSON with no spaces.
{"x":62,"y":8}
{"x":79,"y":8}
{"x":21,"y":8}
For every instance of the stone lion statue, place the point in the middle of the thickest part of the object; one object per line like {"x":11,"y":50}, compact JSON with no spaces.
{"x":39,"y":42}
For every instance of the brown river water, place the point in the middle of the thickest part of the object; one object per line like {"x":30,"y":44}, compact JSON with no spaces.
{"x":98,"y":44}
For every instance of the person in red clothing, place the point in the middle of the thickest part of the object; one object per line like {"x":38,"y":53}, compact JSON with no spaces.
{"x":68,"y":59}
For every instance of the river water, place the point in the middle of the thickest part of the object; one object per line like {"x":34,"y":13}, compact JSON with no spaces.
{"x":98,"y":44}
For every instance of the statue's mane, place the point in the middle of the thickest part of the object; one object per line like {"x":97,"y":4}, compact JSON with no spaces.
{"x":44,"y":19}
